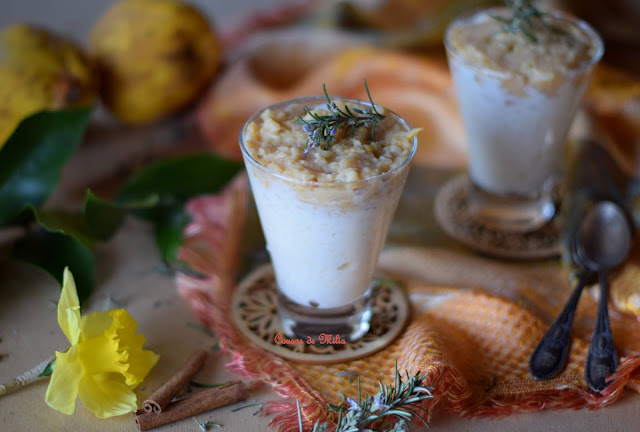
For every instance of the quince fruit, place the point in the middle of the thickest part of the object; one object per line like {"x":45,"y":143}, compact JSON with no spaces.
{"x":41,"y":70}
{"x":155,"y":56}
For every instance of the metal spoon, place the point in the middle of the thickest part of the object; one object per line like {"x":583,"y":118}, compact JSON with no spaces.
{"x":550,"y":356}
{"x":603,"y":242}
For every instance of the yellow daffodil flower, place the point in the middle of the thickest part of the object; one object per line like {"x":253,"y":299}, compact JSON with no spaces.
{"x":105,"y":362}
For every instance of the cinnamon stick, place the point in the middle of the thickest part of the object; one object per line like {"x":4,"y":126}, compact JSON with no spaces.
{"x":161,"y":397}
{"x":193,"y":405}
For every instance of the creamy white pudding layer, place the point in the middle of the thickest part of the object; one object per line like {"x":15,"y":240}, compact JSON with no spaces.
{"x":325,"y":215}
{"x":324,"y":253}
{"x":515,"y":143}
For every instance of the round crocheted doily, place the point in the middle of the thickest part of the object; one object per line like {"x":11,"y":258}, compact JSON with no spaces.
{"x":254,"y":314}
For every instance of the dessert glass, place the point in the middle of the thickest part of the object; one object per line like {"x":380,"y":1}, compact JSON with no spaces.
{"x":516,"y":122}
{"x":324,"y":237}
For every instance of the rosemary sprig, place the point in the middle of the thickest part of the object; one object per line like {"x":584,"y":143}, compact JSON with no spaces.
{"x":253,"y":404}
{"x":398,"y":402}
{"x":524,"y":18}
{"x":323,"y":128}
{"x":206,"y":425}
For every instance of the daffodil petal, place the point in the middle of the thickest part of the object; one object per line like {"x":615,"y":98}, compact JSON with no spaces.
{"x":100,"y":355}
{"x":140,"y":364}
{"x":63,"y":387}
{"x":69,"y":308}
{"x":106,"y":395}
{"x":116,"y":348}
{"x":140,"y":361}
{"x":95,"y":324}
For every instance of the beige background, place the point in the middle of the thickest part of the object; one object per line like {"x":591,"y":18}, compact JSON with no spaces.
{"x":129,"y":275}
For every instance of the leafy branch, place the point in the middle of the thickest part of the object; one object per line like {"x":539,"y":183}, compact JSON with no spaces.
{"x":323,"y":128}
{"x":398,"y":402}
{"x":31,"y":163}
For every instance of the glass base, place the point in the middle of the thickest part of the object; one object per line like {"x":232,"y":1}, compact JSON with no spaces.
{"x":510,"y":213}
{"x":325,"y":326}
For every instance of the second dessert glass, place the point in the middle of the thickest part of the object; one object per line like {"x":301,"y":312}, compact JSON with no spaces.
{"x":516,"y":111}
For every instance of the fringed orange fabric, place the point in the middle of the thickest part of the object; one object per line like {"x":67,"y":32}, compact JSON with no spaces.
{"x":474,"y":344}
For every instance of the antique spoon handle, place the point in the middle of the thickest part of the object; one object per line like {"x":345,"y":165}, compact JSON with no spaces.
{"x":601,"y":358}
{"x":550,"y":355}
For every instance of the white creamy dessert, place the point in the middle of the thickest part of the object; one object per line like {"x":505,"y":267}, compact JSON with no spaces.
{"x":517,"y":98}
{"x":325,"y":215}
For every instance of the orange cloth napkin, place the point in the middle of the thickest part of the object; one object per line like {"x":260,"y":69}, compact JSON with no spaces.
{"x":475,"y":322}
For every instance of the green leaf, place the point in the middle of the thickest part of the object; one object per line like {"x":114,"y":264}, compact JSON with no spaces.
{"x":55,"y":251}
{"x":48,"y":369}
{"x":179,"y":179}
{"x":103,"y":218}
{"x":173,"y":182}
{"x":168,"y":233}
{"x":65,"y":238}
{"x":32,"y":159}
{"x":99,"y":221}
{"x":63,"y":222}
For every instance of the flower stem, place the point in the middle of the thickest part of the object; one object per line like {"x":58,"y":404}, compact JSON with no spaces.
{"x":30,"y":376}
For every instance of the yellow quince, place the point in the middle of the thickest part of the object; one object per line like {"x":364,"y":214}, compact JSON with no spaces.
{"x":155,"y":57}
{"x":41,"y":70}
{"x":104,"y":363}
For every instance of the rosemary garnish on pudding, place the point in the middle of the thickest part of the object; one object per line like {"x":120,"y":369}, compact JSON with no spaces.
{"x":525,"y":18}
{"x":323,"y":128}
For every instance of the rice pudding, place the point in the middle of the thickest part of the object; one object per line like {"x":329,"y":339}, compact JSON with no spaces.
{"x":325,"y":215}
{"x":517,"y":97}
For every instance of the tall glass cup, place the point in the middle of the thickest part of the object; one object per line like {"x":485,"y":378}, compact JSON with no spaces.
{"x":517,"y":99}
{"x":323,"y":237}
